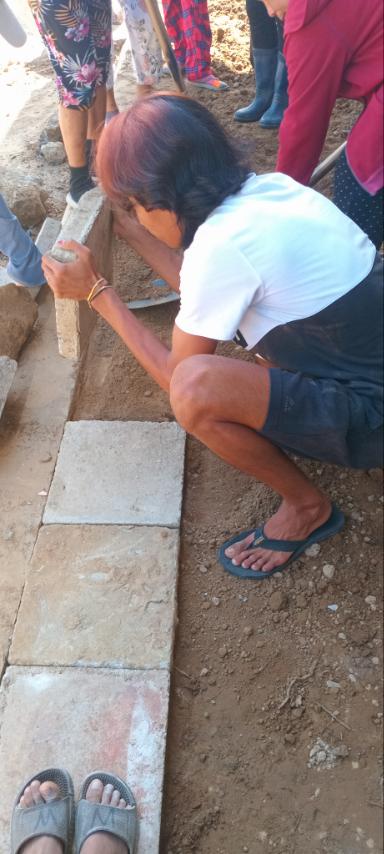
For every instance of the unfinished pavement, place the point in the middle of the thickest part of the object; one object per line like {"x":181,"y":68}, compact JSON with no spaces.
{"x":88,"y":612}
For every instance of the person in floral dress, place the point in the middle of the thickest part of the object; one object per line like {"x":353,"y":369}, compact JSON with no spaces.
{"x":77,"y":35}
{"x":147,"y":59}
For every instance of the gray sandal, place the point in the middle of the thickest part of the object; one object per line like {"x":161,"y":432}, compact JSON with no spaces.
{"x":95,"y":818}
{"x":54,"y":818}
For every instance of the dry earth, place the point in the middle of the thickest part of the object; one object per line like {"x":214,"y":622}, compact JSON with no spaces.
{"x":275,"y":724}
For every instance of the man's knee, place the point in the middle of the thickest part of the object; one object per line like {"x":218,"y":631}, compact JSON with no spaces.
{"x":189,"y":391}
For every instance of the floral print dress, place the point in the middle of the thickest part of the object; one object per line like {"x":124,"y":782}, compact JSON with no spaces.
{"x":77,"y":35}
{"x":145,"y":49}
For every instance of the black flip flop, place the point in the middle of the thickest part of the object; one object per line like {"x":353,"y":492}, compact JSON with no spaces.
{"x":332,"y":526}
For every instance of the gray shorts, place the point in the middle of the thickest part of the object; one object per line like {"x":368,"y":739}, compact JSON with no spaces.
{"x":323,"y":419}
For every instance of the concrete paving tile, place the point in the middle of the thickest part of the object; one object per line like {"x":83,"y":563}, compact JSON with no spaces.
{"x":85,"y":720}
{"x":117,"y":599}
{"x":31,"y":428}
{"x":115,"y":472}
{"x":8,"y":369}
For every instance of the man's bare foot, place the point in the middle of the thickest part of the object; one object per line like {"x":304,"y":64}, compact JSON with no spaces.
{"x":35,"y":794}
{"x":104,"y":843}
{"x":291,"y":522}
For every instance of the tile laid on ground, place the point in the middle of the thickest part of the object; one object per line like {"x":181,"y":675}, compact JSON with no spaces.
{"x":30,"y":434}
{"x":100,"y":596}
{"x":85,"y":720}
{"x":8,"y":369}
{"x":115,"y":472}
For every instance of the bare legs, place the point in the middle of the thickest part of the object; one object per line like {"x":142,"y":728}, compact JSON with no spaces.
{"x":73,"y":126}
{"x":78,"y":125}
{"x":224,"y":403}
{"x":96,"y":114}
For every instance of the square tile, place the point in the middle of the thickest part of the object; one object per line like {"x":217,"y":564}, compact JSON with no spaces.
{"x":118,"y":473}
{"x":99,"y":596}
{"x":85,"y":720}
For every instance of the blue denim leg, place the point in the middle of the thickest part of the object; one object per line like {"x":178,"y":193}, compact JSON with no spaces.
{"x":24,"y":265}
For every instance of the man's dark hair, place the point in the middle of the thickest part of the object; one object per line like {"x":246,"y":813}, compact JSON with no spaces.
{"x":168,"y":151}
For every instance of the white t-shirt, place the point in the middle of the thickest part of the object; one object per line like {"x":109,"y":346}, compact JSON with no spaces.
{"x":275,"y":252}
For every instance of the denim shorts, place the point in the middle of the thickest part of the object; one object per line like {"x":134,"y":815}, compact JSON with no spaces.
{"x":323,"y":419}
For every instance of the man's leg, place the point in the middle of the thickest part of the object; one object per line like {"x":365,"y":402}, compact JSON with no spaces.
{"x":224,"y":403}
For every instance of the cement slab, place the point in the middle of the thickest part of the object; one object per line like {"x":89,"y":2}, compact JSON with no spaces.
{"x":85,"y":720}
{"x":8,"y":369}
{"x":117,"y":599}
{"x":30,"y":434}
{"x":91,"y":225}
{"x":118,"y":473}
{"x":45,"y":239}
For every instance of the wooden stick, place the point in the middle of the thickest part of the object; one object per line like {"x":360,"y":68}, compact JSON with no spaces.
{"x":335,"y":717}
{"x":293,"y":681}
{"x":183,"y":673}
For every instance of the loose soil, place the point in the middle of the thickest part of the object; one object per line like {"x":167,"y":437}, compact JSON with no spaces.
{"x":262,"y":671}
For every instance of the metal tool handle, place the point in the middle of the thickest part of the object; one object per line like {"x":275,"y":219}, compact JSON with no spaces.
{"x":326,"y":166}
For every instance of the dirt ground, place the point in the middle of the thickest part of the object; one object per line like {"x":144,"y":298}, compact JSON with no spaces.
{"x":275,"y":721}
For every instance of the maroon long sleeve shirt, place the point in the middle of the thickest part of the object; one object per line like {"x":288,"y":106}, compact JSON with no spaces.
{"x":333,"y":49}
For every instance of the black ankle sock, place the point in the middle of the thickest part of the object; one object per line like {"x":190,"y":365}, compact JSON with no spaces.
{"x":80,"y":182}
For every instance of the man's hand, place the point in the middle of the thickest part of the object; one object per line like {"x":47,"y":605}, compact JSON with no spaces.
{"x":73,"y":280}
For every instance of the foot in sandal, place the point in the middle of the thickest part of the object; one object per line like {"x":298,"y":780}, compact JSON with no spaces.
{"x":43,"y":815}
{"x":106,"y":817}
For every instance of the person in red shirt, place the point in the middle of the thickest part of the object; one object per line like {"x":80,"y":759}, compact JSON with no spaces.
{"x":333,"y":49}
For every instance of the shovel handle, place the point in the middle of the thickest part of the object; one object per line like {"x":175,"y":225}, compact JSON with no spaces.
{"x":326,"y":166}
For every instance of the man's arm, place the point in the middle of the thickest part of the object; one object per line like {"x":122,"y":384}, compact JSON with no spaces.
{"x":165,"y":261}
{"x":75,"y":281}
{"x":150,"y":352}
